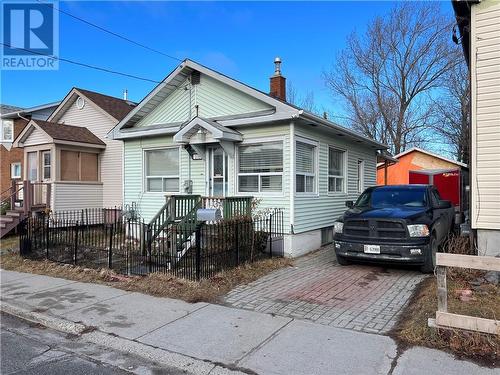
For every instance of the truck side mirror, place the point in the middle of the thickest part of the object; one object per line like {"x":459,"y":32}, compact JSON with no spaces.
{"x":349,"y":204}
{"x":444,"y":204}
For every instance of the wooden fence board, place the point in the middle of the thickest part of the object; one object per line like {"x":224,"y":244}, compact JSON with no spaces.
{"x":468,"y":261}
{"x":470,"y":323}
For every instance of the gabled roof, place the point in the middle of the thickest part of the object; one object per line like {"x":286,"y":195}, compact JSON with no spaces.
{"x":116,"y":108}
{"x":282,"y":110}
{"x":60,"y":132}
{"x":217,"y":131}
{"x":430,"y":154}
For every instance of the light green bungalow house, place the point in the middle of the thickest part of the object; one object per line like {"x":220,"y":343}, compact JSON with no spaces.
{"x":201,"y":132}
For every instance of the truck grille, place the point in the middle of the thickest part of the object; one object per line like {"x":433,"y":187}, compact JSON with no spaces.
{"x":375,"y":228}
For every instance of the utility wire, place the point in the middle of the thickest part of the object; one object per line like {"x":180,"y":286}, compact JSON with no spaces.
{"x":82,"y":64}
{"x":110,"y":32}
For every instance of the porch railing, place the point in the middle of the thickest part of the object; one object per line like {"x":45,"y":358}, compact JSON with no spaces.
{"x":27,"y":195}
{"x":230,"y":207}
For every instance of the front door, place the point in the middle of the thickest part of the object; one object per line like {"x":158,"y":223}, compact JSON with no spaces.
{"x":217,"y":172}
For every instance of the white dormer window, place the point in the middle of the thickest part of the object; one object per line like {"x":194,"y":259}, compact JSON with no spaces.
{"x":7,"y":131}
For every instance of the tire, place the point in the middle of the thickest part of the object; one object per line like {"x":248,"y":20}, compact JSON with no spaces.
{"x":430,"y":259}
{"x":342,"y":260}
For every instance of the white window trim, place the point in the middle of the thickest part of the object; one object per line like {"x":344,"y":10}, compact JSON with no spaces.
{"x":144,"y":177}
{"x":43,"y":166}
{"x":250,"y":142}
{"x":12,"y":170}
{"x":345,"y":185}
{"x":316,"y":144}
{"x":11,"y":123}
{"x":360,"y":178}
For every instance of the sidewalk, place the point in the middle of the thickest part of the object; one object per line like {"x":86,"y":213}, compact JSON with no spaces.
{"x":204,"y":338}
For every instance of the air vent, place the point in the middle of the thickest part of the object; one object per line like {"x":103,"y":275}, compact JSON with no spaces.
{"x":195,"y":77}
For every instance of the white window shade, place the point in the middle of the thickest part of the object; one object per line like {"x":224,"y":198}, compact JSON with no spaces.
{"x":304,"y":162}
{"x":162,"y":162}
{"x":305,"y":167}
{"x":260,"y":168}
{"x":336,"y":162}
{"x":261,"y":158}
{"x":162,"y":170}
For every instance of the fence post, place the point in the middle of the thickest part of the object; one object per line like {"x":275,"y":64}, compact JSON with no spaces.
{"x":75,"y":250}
{"x":198,"y":251}
{"x":442,"y":291}
{"x":46,"y":217}
{"x":110,"y":252}
{"x":149,"y":245}
{"x":270,"y":236}
{"x":237,"y":243}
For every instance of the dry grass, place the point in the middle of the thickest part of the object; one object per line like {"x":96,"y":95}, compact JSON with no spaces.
{"x":412,"y":329}
{"x":9,"y":243}
{"x":160,"y":285}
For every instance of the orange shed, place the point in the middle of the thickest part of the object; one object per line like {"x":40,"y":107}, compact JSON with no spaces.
{"x":413,"y":159}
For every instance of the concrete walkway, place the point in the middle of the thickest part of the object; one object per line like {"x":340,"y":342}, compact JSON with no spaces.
{"x":203,"y":338}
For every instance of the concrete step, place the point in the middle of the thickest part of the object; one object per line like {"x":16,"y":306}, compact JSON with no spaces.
{"x":6,"y":219}
{"x":2,"y":225}
{"x":14,"y":212}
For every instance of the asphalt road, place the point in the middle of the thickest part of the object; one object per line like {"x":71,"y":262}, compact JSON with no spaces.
{"x":31,"y":349}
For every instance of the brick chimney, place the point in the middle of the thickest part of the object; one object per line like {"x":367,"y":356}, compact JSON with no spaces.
{"x":278,"y":82}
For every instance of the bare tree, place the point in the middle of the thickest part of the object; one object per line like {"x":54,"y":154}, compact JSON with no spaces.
{"x":385,"y":76}
{"x":452,"y":121}
{"x":306,"y":102}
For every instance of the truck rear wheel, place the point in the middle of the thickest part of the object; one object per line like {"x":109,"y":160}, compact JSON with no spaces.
{"x":430,"y":259}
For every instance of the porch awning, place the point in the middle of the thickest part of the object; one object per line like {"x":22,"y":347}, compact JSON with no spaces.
{"x":200,"y":130}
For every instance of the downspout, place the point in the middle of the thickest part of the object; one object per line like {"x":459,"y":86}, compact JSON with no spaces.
{"x":292,"y":176}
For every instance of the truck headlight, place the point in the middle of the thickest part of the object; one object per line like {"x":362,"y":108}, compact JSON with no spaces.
{"x":418,"y":230}
{"x":338,"y":227}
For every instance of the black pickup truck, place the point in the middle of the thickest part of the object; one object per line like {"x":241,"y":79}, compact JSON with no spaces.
{"x":399,"y":223}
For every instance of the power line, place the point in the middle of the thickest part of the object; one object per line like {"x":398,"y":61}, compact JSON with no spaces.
{"x":82,"y":64}
{"x":110,"y":32}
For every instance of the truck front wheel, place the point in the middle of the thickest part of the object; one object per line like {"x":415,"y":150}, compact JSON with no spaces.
{"x":342,"y":261}
{"x":430,"y":259}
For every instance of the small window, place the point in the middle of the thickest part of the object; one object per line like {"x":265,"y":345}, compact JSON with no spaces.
{"x":46,"y":165}
{"x":162,"y":170}
{"x":260,"y":167}
{"x":305,"y":167}
{"x":15,"y":170}
{"x":326,"y":236}
{"x":32,"y":166}
{"x":336,"y":170}
{"x":361,"y":176}
{"x":7,"y":131}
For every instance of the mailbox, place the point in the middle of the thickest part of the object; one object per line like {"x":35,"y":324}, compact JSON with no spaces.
{"x":208,"y":214}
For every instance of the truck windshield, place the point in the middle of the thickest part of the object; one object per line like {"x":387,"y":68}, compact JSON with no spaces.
{"x":392,"y":197}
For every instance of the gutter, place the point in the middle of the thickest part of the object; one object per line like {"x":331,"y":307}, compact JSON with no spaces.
{"x":331,"y":125}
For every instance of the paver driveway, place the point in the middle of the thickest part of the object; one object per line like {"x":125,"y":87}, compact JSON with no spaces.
{"x":360,"y":297}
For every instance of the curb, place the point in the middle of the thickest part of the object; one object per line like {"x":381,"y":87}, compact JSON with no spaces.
{"x":57,"y":324}
{"x":168,"y":359}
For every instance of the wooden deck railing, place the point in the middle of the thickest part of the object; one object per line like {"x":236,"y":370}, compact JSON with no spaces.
{"x":445,"y":319}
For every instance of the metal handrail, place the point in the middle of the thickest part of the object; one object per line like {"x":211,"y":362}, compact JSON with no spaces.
{"x":11,"y":195}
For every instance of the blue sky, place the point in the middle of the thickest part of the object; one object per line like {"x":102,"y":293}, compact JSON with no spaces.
{"x":239,"y":39}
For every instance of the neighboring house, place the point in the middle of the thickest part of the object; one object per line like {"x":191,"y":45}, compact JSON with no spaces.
{"x":14,"y":119}
{"x":479,"y":25}
{"x":70,"y":152}
{"x":201,"y":132}
{"x":413,"y":159}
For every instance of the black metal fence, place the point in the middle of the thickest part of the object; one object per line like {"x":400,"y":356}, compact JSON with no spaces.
{"x":192,"y":250}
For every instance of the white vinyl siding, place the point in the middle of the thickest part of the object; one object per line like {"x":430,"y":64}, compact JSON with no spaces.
{"x":260,"y":167}
{"x":161,"y":170}
{"x":321,"y":210}
{"x":361,"y":176}
{"x":76,"y":195}
{"x":110,"y":159}
{"x":37,"y":137}
{"x":485,"y":74}
{"x":305,"y":167}
{"x":213,"y":98}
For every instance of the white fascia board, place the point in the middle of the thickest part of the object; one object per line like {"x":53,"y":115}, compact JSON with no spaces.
{"x":334,"y":127}
{"x":145,"y":133}
{"x":80,"y":144}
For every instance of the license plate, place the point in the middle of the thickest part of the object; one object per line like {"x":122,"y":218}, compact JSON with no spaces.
{"x":372,"y":249}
